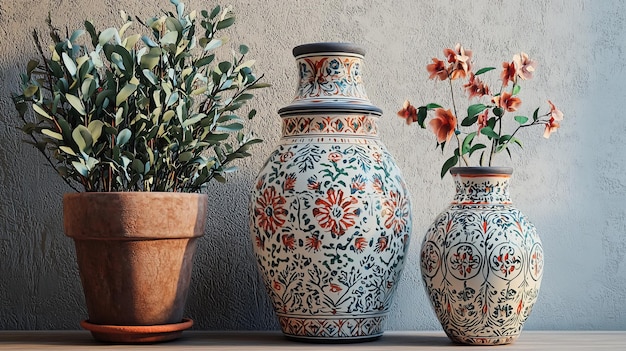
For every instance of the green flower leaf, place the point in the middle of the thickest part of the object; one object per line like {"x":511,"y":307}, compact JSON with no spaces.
{"x":521,"y":119}
{"x":488,"y":131}
{"x":123,"y":95}
{"x":474,"y":110}
{"x":484,"y":70}
{"x":449,"y":164}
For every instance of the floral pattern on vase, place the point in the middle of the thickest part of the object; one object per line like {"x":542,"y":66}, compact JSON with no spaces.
{"x":330,"y":221}
{"x":482,"y":260}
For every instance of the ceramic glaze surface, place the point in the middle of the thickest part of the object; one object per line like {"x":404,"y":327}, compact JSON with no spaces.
{"x":482,"y":262}
{"x":330,"y":221}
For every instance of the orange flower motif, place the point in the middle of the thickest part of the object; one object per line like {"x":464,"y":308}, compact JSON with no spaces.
{"x":408,"y":112}
{"x":525,"y":66}
{"x":313,"y":243}
{"x":443,"y":125}
{"x":507,"y":101}
{"x":396,"y":211}
{"x":270,"y":210}
{"x":509,"y":73}
{"x":475,"y":87}
{"x":555,"y":112}
{"x":290,"y":182}
{"x":277,"y":286}
{"x":360,"y":244}
{"x":551,"y":126}
{"x":336,"y":212}
{"x":437,"y":69}
{"x":460,"y":60}
{"x":382,"y":244}
{"x":334,"y":156}
{"x":335,"y":288}
{"x":289,"y":241}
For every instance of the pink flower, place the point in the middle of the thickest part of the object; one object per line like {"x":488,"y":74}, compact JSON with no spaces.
{"x":475,"y":87}
{"x":437,"y":69}
{"x":551,"y":127}
{"x":508,"y":73}
{"x":555,"y":112}
{"x":507,"y":101}
{"x":460,"y":60}
{"x":443,"y":125}
{"x":525,"y":66}
{"x":408,"y":112}
{"x":482,"y":120}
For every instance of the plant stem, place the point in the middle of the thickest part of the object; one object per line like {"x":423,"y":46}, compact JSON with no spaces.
{"x":458,"y":140}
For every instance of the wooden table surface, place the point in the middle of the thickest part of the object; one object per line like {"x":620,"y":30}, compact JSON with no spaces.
{"x":391,"y":340}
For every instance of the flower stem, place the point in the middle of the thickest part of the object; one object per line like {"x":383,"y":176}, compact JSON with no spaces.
{"x":458,"y":140}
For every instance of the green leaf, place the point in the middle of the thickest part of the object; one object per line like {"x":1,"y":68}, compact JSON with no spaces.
{"x":123,"y":95}
{"x":484,"y":70}
{"x":68,"y":150}
{"x":468,"y":121}
{"x":251,"y":114}
{"x":170,"y":38}
{"x":259,"y":86}
{"x":433,"y":106}
{"x":521,"y":119}
{"x":123,"y":137}
{"x":467,"y":142}
{"x":83,"y":139}
{"x":488,"y":131}
{"x":422,"y":112}
{"x":213,"y":44}
{"x":215,"y":12}
{"x":95,"y":128}
{"x":233,"y":127}
{"x":69,"y":64}
{"x":31,"y":66}
{"x":449,"y":164}
{"x":80,"y":168}
{"x":536,"y":115}
{"x":225,"y":23}
{"x":204,"y":61}
{"x":185,"y":156}
{"x":476,"y":148}
{"x":76,"y":103}
{"x":150,"y":76}
{"x":243,"y":49}
{"x":474,"y":110}
{"x":224,"y":66}
{"x":108,"y":34}
{"x":52,"y":134}
{"x":40,"y":111}
{"x":516,"y":89}
{"x":498,"y":111}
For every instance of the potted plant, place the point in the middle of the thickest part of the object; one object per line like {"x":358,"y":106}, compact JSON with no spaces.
{"x":137,"y":124}
{"x":481,"y":259}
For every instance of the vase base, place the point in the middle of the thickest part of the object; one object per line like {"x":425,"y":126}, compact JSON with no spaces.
{"x":483,"y":340}
{"x":332,"y":340}
{"x":137,"y":334}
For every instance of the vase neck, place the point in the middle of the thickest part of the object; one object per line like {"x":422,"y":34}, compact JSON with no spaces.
{"x":329,"y":125}
{"x":483,"y":187}
{"x":330,"y":81}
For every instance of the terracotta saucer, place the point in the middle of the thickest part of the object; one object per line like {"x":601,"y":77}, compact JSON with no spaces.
{"x":137,"y":334}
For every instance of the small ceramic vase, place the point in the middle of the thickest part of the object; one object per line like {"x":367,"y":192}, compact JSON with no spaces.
{"x":330,"y":213}
{"x":482,"y":260}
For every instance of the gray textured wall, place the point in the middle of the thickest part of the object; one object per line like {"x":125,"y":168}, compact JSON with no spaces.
{"x":572,"y":186}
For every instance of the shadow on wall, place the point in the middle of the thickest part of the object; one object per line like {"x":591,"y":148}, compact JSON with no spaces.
{"x":226,"y":289}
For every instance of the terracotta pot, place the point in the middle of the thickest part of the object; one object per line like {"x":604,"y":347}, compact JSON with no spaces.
{"x":482,"y":260}
{"x":135,"y":253}
{"x":330,"y":212}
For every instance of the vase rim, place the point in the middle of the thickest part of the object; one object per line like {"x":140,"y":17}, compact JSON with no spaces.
{"x":330,"y":47}
{"x":481,"y":170}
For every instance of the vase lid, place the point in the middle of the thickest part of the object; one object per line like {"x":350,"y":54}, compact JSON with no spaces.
{"x":330,"y":80}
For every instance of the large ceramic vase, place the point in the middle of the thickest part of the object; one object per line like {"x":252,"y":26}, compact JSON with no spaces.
{"x":330,"y":213}
{"x":135,"y":256}
{"x":482,"y":260}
